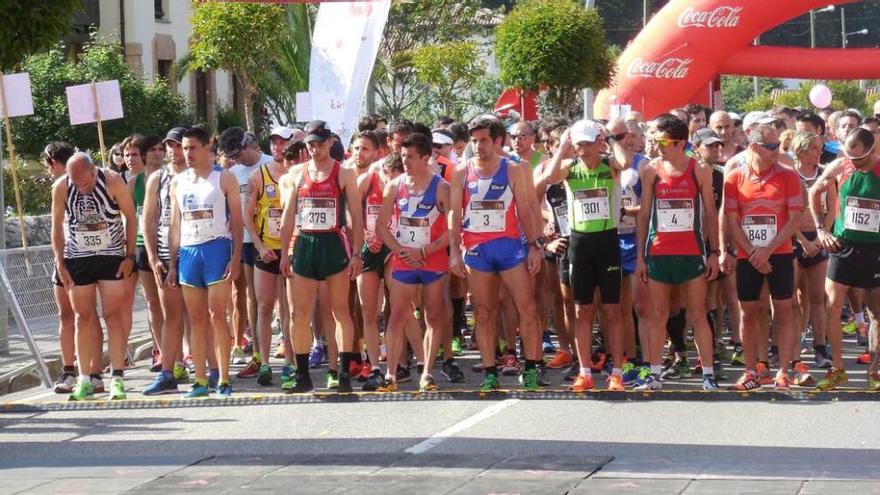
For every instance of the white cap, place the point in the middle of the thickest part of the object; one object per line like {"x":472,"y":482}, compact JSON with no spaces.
{"x":585,"y":130}
{"x":282,"y":131}
{"x":440,"y":138}
{"x":757,"y":117}
{"x":734,"y":116}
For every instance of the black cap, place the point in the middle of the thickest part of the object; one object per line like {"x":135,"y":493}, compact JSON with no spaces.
{"x":705,"y":136}
{"x":175,"y":134}
{"x":316,"y":130}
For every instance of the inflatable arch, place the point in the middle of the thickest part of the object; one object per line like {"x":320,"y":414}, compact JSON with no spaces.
{"x":677,"y":58}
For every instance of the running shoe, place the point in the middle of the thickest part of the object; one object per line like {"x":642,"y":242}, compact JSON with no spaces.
{"x":746,"y":382}
{"x":383,"y":353}
{"x":720,"y":351}
{"x":710,"y":383}
{"x":224,"y":391}
{"x":264,"y":375}
{"x":374,"y":381}
{"x":388,"y":386}
{"x":332,"y":379}
{"x":543,"y":379}
{"x":765,"y":376}
{"x":821,"y":357}
{"x":344,"y":385}
{"x":426,"y":384}
{"x":162,"y":384}
{"x":197,"y":390}
{"x":572,"y":372}
{"x":599,"y":360}
{"x":286,"y":377}
{"x":773,"y":357}
{"x":354,"y":369}
{"x":490,"y":384}
{"x":874,"y":381}
{"x":511,"y":365}
{"x":547,"y":344}
{"x":737,"y":357}
{"x":642,"y":374}
{"x":213,"y":379}
{"x":850,"y":327}
{"x":251,"y":370}
{"x":403,"y":374}
{"x":65,"y":384}
{"x":651,"y":383}
{"x":452,"y":372}
{"x":276,"y":326}
{"x":802,"y":376}
{"x":864,"y":358}
{"x":279,"y":351}
{"x":562,"y":359}
{"x":365,"y":371}
{"x":316,"y":355}
{"x":179,"y":373}
{"x":157,"y":361}
{"x":456,"y":346}
{"x":189,"y":363}
{"x":782,"y":382}
{"x":302,"y":384}
{"x":117,"y":389}
{"x":833,"y":379}
{"x":97,"y":384}
{"x":679,"y":369}
{"x":82,"y":391}
{"x":862,"y":334}
{"x":615,"y":383}
{"x":237,"y":355}
{"x":528,"y":380}
{"x":581,"y":384}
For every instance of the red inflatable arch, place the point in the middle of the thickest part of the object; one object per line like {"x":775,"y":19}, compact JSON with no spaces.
{"x":677,"y":58}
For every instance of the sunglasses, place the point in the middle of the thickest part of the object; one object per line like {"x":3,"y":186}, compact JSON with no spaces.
{"x":770,"y":146}
{"x":619,"y":137}
{"x":665,"y":142}
{"x":519,"y":136}
{"x":437,"y":146}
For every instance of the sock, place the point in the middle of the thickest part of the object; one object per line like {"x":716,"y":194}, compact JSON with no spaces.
{"x":344,"y":361}
{"x":860,"y":318}
{"x":302,"y":363}
{"x":457,"y":316}
{"x":420,"y":367}
{"x":586,"y":371}
{"x":116,"y":373}
{"x":531,"y":364}
{"x":656,"y":369}
{"x":675,"y":327}
{"x":615,"y":371}
{"x":167,"y":374}
{"x":203,"y":382}
{"x":69,"y":370}
{"x":258,"y":357}
{"x":708,"y":371}
{"x":492,"y":370}
{"x":85,"y":378}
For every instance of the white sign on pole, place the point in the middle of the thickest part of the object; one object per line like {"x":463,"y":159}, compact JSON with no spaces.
{"x":19,"y":100}
{"x":81,"y":102}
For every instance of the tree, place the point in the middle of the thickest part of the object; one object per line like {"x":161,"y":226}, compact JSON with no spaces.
{"x":149,"y":107}
{"x":289,"y":70}
{"x":554,"y":43}
{"x":449,"y":70}
{"x":32,"y":26}
{"x":242,"y":38}
{"x":738,"y":90}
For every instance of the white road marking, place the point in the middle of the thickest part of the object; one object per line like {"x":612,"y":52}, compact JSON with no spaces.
{"x":440,"y":437}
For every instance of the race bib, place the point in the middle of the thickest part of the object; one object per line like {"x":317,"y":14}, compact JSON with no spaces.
{"x":319,"y":213}
{"x":590,"y":204}
{"x":372,"y":216}
{"x":760,"y":229}
{"x":92,"y":236}
{"x":197,"y":227}
{"x":486,"y":216}
{"x":413,"y":232}
{"x":862,"y":214}
{"x":562,"y":220}
{"x":675,"y":215}
{"x":273,"y":221}
{"x":626,"y":221}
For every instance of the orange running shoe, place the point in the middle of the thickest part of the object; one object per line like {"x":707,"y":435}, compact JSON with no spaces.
{"x":783,"y":382}
{"x":764,"y":375}
{"x":615,"y":383}
{"x":864,"y":358}
{"x":562,"y":359}
{"x":582,"y":383}
{"x":803,"y":378}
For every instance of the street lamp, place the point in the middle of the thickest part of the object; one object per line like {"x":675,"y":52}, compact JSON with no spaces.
{"x":847,"y":35}
{"x":813,"y":13}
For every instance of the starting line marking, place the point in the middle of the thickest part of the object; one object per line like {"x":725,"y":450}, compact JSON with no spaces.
{"x":440,"y":437}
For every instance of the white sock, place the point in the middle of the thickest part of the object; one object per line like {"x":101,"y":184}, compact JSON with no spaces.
{"x":85,"y":378}
{"x":615,"y":371}
{"x":860,"y":318}
{"x":586,"y":371}
{"x":708,"y":371}
{"x":656,"y":369}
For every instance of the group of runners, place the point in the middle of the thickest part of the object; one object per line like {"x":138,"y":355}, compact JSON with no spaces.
{"x":628,"y":233}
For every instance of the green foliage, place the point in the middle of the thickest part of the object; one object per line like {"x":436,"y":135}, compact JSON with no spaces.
{"x":557,"y":43}
{"x":449,"y":69}
{"x":483,"y":95}
{"x":289,"y":70}
{"x":227,"y":117}
{"x":762,"y":102}
{"x":738,"y":90}
{"x":242,"y":38}
{"x":35,"y":186}
{"x":31,"y":26}
{"x":148,"y":107}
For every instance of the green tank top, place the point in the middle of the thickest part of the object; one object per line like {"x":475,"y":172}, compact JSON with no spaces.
{"x":858,"y":218}
{"x":140,"y":191}
{"x":593,"y":205}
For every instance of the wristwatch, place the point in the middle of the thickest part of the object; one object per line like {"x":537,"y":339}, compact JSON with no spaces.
{"x":540,"y":242}
{"x":130,"y":256}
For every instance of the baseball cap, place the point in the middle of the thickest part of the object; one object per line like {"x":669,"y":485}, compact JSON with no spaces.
{"x":585,"y":130}
{"x":175,"y":134}
{"x":441,"y":136}
{"x":282,"y":131}
{"x":705,"y":136}
{"x":316,"y":131}
{"x":757,"y":117}
{"x":735,"y":116}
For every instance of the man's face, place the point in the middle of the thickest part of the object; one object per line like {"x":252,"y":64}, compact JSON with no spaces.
{"x":249,"y":155}
{"x":395,"y":141}
{"x":804,"y":126}
{"x":381,"y":125}
{"x":155,"y":155}
{"x":857,"y":149}
{"x":669,"y":147}
{"x":483,"y":145}
{"x":722,"y":124}
{"x":174,"y":152}
{"x":195,"y":153}
{"x":413,"y":163}
{"x":813,"y":153}
{"x":523,"y":139}
{"x":768,"y":156}
{"x":83,"y":176}
{"x":588,"y":151}
{"x":444,"y":150}
{"x":277,"y":145}
{"x":845,"y":125}
{"x":365,"y":152}
{"x":459,"y":147}
{"x":620,"y":136}
{"x":710,"y":153}
{"x":132,"y":157}
{"x":320,"y":150}
{"x":698,"y":121}
{"x":873,"y":127}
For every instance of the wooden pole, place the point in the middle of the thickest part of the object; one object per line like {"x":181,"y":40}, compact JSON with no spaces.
{"x":13,"y":165}
{"x":100,"y":127}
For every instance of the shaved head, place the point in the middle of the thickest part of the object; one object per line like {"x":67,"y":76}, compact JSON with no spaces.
{"x":82,"y":172}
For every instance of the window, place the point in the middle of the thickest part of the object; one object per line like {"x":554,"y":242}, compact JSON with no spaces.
{"x":160,"y":10}
{"x":164,"y":69}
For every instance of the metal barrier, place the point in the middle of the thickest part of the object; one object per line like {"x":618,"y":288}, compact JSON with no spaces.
{"x":28,"y":313}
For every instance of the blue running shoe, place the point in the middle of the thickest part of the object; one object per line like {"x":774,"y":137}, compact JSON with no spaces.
{"x":163,"y":384}
{"x":197,"y":390}
{"x":213,"y":379}
{"x":547,"y":344}
{"x":643,"y":373}
{"x":316,"y":356}
{"x":630,"y":373}
{"x":225,"y":391}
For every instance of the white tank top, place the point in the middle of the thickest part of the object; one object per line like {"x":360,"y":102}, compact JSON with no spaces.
{"x":203,"y":208}
{"x":242,"y":174}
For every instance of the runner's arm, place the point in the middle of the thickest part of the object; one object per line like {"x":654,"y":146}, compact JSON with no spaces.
{"x":529,"y":216}
{"x":557,"y":169}
{"x":348,"y":177}
{"x":254,"y":185}
{"x":288,"y":216}
{"x":643,"y":219}
{"x":59,"y":197}
{"x":384,"y":218}
{"x":704,"y":174}
{"x":174,"y":228}
{"x":456,"y":206}
{"x":442,"y":242}
{"x":233,"y":200}
{"x":825,"y":183}
{"x":795,"y":205}
{"x":150,"y":217}
{"x":126,"y":206}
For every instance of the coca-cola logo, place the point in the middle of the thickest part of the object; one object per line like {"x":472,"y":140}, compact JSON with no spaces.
{"x":670,"y":68}
{"x":721,"y":17}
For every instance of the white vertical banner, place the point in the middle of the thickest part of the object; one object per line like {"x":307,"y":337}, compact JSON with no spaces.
{"x":345,"y":43}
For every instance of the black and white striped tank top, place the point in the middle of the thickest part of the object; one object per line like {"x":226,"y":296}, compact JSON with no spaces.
{"x":164,"y":215}
{"x":94,"y":222}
